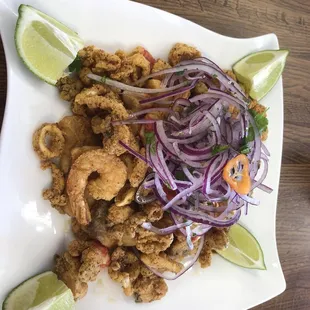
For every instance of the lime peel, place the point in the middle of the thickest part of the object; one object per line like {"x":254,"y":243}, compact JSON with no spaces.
{"x":243,"y":249}
{"x":260,"y":71}
{"x":45,"y":45}
{"x":41,"y":292}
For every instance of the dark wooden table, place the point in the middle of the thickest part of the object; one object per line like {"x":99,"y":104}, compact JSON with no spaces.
{"x":290,"y":20}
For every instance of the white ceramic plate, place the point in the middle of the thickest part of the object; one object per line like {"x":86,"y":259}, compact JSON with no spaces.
{"x":31,"y":232}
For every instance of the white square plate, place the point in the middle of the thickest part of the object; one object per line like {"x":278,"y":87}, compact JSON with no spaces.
{"x":31,"y":232}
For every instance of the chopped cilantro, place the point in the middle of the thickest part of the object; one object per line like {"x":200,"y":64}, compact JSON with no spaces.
{"x":149,"y":137}
{"x":261,"y":122}
{"x":219,"y":148}
{"x":180,"y":175}
{"x":180,"y":72}
{"x":103,"y":79}
{"x":215,"y":75}
{"x":75,"y":65}
{"x":244,"y":149}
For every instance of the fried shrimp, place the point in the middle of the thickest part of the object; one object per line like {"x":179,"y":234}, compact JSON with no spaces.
{"x":77,"y":132}
{"x":112,"y":177}
{"x":48,"y":141}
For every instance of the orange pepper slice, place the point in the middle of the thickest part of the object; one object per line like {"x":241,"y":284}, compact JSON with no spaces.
{"x":236,"y":174}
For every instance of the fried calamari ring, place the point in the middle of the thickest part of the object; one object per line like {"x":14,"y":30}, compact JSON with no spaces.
{"x":55,"y":194}
{"x":112,"y":177}
{"x":94,"y":98}
{"x":51,"y":148}
{"x":120,"y":133}
{"x":112,"y":135}
{"x":137,"y":175}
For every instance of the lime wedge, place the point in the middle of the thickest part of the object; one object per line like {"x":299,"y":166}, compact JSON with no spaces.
{"x":243,"y":249}
{"x":259,"y":72}
{"x":45,"y":45}
{"x":43,"y":291}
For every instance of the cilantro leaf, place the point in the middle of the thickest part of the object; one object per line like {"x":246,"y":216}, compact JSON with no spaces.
{"x":244,"y":149}
{"x":180,"y":175}
{"x":261,"y":122}
{"x":149,"y":137}
{"x":76,"y":64}
{"x":219,"y":148}
{"x":180,"y":72}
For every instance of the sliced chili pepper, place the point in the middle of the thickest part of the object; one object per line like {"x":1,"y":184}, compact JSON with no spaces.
{"x":236,"y":174}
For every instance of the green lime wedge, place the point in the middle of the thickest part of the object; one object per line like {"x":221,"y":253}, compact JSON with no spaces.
{"x":43,"y":291}
{"x":243,"y":249}
{"x":259,"y":72}
{"x":45,"y":45}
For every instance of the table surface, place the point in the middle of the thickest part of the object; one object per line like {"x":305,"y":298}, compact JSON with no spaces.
{"x":290,"y":20}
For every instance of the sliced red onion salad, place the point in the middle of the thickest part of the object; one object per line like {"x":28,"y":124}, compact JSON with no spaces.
{"x":189,"y":150}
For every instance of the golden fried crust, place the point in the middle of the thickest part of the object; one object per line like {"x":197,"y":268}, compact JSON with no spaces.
{"x":154,"y":211}
{"x":139,"y":170}
{"x":121,"y":54}
{"x":124,"y":268}
{"x":100,"y":125}
{"x":180,"y":52}
{"x":200,"y":88}
{"x":84,"y":78}
{"x":160,"y":65}
{"x":124,"y":73}
{"x":56,"y":145}
{"x":153,"y":84}
{"x":105,"y":62}
{"x":215,"y":239}
{"x":150,"y":289}
{"x":257,"y":107}
{"x":90,"y":98}
{"x":112,"y":145}
{"x":141,"y":66}
{"x":149,"y":242}
{"x":112,"y":177}
{"x":93,"y":259}
{"x":161,"y":262}
{"x":86,"y":55}
{"x":76,"y":152}
{"x":125,"y":196}
{"x":205,"y":257}
{"x":69,"y":87}
{"x":58,"y":180}
{"x":231,"y":74}
{"x":119,"y":214}
{"x":55,"y":194}
{"x":179,"y":247}
{"x":67,"y":269}
{"x":77,"y":132}
{"x":80,"y":264}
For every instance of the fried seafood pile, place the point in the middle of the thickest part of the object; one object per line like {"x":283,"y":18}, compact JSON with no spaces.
{"x":94,"y":179}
